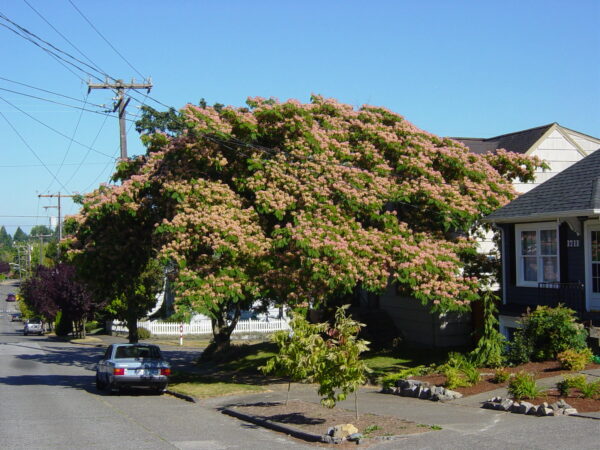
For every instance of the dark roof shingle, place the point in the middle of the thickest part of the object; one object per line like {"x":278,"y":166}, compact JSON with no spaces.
{"x":575,"y":189}
{"x":518,"y":142}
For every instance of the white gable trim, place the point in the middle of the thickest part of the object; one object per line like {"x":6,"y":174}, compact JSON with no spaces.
{"x":540,"y":140}
{"x":568,"y":138}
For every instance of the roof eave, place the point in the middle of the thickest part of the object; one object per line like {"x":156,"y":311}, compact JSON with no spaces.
{"x":543,"y":217}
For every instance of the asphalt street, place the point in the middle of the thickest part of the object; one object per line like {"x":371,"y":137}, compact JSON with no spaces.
{"x":49,"y":401}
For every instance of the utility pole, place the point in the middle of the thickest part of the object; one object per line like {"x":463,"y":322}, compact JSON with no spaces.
{"x":59,"y":196}
{"x":121,"y":102}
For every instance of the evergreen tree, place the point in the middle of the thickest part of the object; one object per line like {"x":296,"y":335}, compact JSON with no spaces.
{"x":5,"y":238}
{"x":20,"y":236}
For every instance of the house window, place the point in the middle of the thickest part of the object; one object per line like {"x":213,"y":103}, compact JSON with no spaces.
{"x":537,"y":253}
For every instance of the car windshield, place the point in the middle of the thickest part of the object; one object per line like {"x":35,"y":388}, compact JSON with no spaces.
{"x":36,"y":321}
{"x":137,"y":351}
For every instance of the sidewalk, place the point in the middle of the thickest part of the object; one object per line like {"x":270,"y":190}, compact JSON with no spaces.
{"x":463,"y":415}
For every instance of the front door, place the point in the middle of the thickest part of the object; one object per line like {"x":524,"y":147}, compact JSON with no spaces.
{"x":592,"y":263}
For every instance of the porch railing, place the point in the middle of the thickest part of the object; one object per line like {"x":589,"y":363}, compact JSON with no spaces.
{"x":571,"y":294}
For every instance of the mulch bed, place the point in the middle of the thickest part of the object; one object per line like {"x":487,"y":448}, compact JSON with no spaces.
{"x":539,"y":369}
{"x":316,"y":419}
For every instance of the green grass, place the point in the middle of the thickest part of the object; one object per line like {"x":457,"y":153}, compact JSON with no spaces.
{"x":199,"y":386}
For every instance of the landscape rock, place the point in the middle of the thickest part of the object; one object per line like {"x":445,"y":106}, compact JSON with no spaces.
{"x":569,"y":411}
{"x":343,"y":431}
{"x":506,"y":404}
{"x":424,"y":393}
{"x":355,"y":437}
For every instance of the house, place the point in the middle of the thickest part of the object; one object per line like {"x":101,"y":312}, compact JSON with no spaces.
{"x":560,"y":148}
{"x":551,"y":245}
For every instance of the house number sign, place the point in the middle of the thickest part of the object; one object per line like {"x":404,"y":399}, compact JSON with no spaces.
{"x":573,"y":243}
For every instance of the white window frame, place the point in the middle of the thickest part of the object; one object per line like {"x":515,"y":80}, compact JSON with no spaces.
{"x":591,"y":299}
{"x":537,"y":227}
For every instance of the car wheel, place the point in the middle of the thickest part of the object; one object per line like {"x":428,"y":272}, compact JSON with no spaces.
{"x":160,"y":389}
{"x":99,"y":383}
{"x":25,"y":333}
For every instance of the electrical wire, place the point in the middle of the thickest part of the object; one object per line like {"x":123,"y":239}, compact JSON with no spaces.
{"x":32,"y":150}
{"x":50,"y":52}
{"x":63,"y":104}
{"x":48,"y":92}
{"x":54,"y":130}
{"x":87,"y":153}
{"x":104,"y":38}
{"x":70,"y":144}
{"x":64,"y":37}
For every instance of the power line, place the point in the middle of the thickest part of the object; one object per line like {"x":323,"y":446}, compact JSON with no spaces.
{"x":60,"y":103}
{"x":88,"y":152}
{"x":105,"y":40}
{"x":28,"y":166}
{"x":58,"y":94}
{"x":64,"y":37}
{"x":22,"y":30}
{"x":31,"y":149}
{"x":69,"y":146}
{"x":53,"y":129}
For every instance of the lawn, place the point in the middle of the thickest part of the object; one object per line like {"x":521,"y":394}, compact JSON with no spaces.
{"x":236,"y":371}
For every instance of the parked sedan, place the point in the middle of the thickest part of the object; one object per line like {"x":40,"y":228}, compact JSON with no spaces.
{"x":132,"y":365}
{"x":33,"y":326}
{"x":11,"y":297}
{"x":16,"y":317}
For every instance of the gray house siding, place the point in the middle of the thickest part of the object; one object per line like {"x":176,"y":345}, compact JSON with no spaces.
{"x":420,"y":327}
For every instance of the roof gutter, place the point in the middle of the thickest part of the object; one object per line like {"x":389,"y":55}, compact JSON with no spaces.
{"x":543,"y":217}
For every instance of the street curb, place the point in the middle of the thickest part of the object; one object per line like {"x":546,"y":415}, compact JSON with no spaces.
{"x":185,"y":397}
{"x":274,"y":426}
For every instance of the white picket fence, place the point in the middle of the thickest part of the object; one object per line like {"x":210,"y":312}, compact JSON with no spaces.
{"x":203,"y":327}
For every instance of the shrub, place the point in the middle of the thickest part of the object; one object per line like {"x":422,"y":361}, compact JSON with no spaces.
{"x":569,"y":382}
{"x":519,"y":349}
{"x":144,"y":333}
{"x":490,"y":348}
{"x":501,"y":375}
{"x":455,"y":378}
{"x":545,"y":333}
{"x":63,"y":326}
{"x":472,"y":374}
{"x":523,"y":386}
{"x":91,"y":326}
{"x":574,"y":360}
{"x":590,"y":390}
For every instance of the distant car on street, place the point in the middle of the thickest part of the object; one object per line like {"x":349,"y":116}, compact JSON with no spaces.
{"x":16,"y":317}
{"x":133,"y":365}
{"x":33,"y":326}
{"x":11,"y":297}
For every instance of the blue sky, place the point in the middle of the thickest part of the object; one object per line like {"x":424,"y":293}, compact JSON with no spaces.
{"x":454,"y":68}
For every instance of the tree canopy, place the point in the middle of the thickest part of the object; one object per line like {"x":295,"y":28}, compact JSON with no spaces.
{"x":296,"y":202}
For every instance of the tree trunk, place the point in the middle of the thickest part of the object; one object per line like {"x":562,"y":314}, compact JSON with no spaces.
{"x":132,"y":325}
{"x":221,"y":333}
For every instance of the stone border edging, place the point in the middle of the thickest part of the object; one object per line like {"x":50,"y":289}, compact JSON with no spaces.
{"x":274,"y":426}
{"x":421,"y":390}
{"x":559,"y":408}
